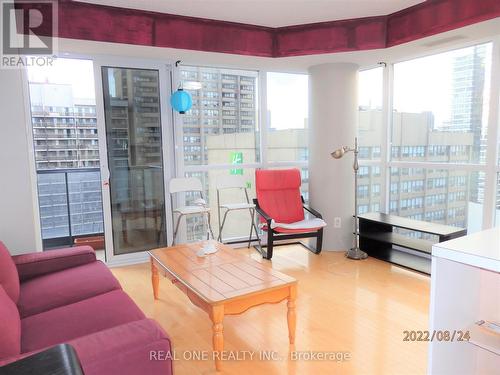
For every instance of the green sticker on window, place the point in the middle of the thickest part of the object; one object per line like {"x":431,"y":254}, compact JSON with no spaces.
{"x":236,"y":158}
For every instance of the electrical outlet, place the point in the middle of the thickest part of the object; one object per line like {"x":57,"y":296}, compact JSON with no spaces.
{"x":337,"y":222}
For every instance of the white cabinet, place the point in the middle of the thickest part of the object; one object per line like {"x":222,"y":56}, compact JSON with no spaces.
{"x":465,"y":288}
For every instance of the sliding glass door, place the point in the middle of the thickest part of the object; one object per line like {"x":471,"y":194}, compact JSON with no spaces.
{"x":66,"y":149}
{"x":138,"y":158}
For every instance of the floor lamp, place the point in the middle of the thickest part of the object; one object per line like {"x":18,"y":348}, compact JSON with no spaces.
{"x":354,"y":252}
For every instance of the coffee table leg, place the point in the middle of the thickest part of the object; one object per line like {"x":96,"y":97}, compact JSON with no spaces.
{"x":155,"y":279}
{"x":291,"y":314}
{"x":217,"y":317}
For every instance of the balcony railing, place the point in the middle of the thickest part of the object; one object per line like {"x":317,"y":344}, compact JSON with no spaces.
{"x":68,"y":146}
{"x":70,"y":205}
{"x":41,"y":134}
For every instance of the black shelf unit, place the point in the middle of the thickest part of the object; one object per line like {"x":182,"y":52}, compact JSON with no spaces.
{"x":377,"y":238}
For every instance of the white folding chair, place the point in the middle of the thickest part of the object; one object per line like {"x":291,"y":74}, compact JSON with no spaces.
{"x":198,"y":206}
{"x":234,"y":182}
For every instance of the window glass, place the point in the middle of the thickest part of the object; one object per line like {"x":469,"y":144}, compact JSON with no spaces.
{"x":63,"y":114}
{"x":370,"y":113}
{"x":369,"y":185}
{"x":443,"y":196}
{"x":238,"y":222}
{"x":133,"y":138}
{"x":440,"y":107}
{"x":66,"y":146}
{"x":287,"y":115}
{"x":224,"y":118}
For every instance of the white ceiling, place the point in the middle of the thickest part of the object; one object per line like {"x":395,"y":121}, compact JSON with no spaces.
{"x":272,"y":13}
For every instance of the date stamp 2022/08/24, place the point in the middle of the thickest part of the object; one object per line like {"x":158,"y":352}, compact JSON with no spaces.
{"x":436,"y":335}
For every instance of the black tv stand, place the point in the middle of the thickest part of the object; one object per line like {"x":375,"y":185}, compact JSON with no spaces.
{"x":377,"y":238}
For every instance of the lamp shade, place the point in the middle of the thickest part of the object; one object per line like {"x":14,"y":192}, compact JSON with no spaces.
{"x":181,"y":101}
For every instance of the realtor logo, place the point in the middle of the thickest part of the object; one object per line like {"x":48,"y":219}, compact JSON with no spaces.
{"x":28,"y":28}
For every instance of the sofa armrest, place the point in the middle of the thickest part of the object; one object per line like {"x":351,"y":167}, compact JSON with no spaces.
{"x":37,"y":264}
{"x":137,"y":347}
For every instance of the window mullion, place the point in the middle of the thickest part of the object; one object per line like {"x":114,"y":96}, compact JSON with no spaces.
{"x":263,"y":118}
{"x":492,"y":142}
{"x":387,"y":105}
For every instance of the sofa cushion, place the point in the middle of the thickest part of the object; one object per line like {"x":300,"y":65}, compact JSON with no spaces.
{"x":10,"y":326}
{"x":9,"y":278}
{"x":65,"y":287}
{"x":78,"y":319}
{"x":125,"y":349}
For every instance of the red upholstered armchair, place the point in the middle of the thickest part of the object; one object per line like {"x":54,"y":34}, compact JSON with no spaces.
{"x":281,"y":210}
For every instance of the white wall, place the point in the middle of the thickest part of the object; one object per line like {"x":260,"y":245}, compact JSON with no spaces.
{"x":18,"y":229}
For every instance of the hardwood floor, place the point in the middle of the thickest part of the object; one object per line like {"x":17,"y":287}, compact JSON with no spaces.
{"x":359,"y":307}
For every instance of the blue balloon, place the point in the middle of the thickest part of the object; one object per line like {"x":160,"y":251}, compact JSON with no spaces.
{"x":181,"y":101}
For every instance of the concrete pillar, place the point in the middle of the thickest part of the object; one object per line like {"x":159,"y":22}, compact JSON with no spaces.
{"x":333,"y":119}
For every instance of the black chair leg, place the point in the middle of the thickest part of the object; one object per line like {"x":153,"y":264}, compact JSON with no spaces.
{"x":269,"y":249}
{"x":319,"y":241}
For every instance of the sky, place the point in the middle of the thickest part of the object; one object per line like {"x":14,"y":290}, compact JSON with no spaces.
{"x":370,"y":88}
{"x":78,"y":73}
{"x":419,"y":85}
{"x":426,"y":84}
{"x":287,"y":100}
{"x":423,"y":85}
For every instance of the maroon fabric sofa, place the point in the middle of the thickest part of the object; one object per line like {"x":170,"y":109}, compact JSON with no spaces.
{"x":67,"y":296}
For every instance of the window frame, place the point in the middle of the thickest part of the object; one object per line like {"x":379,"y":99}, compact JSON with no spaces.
{"x":264,"y":127}
{"x":491,"y":167}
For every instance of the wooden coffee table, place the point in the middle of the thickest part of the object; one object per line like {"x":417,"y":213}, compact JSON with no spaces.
{"x":224,"y":283}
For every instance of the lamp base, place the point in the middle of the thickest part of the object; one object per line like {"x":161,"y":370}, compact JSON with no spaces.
{"x":356,"y":253}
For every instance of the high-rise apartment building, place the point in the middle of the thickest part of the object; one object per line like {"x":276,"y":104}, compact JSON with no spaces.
{"x":225,"y":104}
{"x":64,"y":127}
{"x":467,"y":94}
{"x":134,"y":117}
{"x":467,"y":106}
{"x":133,"y":130}
{"x":423,"y":194}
